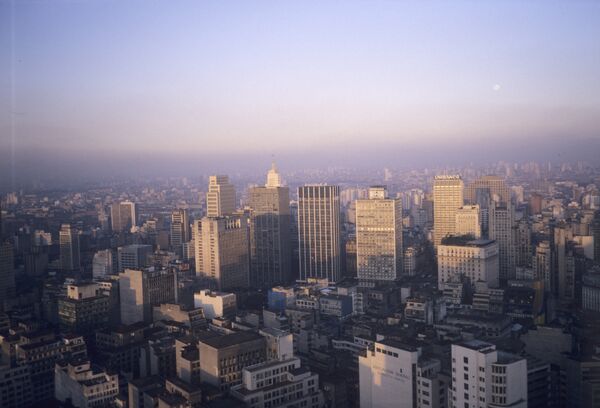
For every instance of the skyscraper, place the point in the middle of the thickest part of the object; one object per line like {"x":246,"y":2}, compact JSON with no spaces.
{"x":123,"y":216}
{"x":379,"y":237}
{"x":220,"y":199}
{"x":496,"y":186}
{"x":222,"y":253}
{"x":447,"y":198}
{"x":69,"y":248}
{"x":180,"y":230}
{"x":502,"y":229}
{"x":270,"y":248}
{"x":141,"y":289}
{"x":319,"y":232}
{"x":7,"y":271}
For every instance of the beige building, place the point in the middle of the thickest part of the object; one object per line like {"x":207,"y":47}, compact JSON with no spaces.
{"x":69,"y":248}
{"x":319,"y":233}
{"x":220,"y":198}
{"x":468,"y":221}
{"x":123,"y":216}
{"x":447,"y":198}
{"x":498,"y":190}
{"x":76,"y":381}
{"x":379,"y":237}
{"x":476,"y":260}
{"x":216,"y":304}
{"x":222,"y":251}
{"x":502,"y":229}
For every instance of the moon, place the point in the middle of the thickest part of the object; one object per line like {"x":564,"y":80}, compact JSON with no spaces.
{"x":496,"y":87}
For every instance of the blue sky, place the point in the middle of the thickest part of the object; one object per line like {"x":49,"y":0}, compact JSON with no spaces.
{"x":281,"y":76}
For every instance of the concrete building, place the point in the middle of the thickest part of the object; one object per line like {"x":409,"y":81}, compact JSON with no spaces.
{"x":83,"y":385}
{"x":7,"y":271}
{"x":270,"y":245}
{"x":180,"y":230}
{"x":15,"y":387}
{"x":319,"y":232}
{"x":447,"y":198}
{"x":105,"y":263}
{"x":476,"y":260}
{"x":543,"y":265}
{"x":590,"y":291}
{"x":69,"y":248}
{"x":216,"y":304}
{"x":84,"y":309}
{"x":495,"y":186}
{"x":281,"y":383}
{"x":134,"y":256}
{"x":468,"y":221}
{"x":141,"y":290}
{"x":222,"y":251}
{"x":410,"y":259}
{"x":220,"y":198}
{"x":502,"y":229}
{"x":483,"y":376}
{"x":379,"y":248}
{"x":225,"y":356}
{"x":123,"y":216}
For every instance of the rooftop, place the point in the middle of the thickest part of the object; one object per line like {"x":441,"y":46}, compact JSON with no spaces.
{"x":229,"y":340}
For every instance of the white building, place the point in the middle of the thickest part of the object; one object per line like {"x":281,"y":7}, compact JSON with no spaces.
{"x":476,"y":260}
{"x":215,"y":304}
{"x":275,"y":384}
{"x":84,"y":386}
{"x":104,"y":263}
{"x":388,"y":375}
{"x":485,"y":377}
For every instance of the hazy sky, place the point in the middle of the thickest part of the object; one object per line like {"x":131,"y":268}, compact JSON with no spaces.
{"x":260,"y":76}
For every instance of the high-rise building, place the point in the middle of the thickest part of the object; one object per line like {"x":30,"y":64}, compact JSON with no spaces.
{"x":123,"y":216}
{"x":141,"y":290}
{"x":7,"y":271}
{"x":69,"y":248}
{"x":135,"y":256}
{"x":476,"y":260}
{"x":502,"y":229}
{"x":543,"y":266}
{"x":319,"y":232}
{"x":222,"y":251}
{"x":180,"y":230}
{"x":84,"y":309}
{"x":270,"y":246}
{"x":484,"y":376}
{"x":468,"y":221}
{"x":447,"y":199}
{"x":220,"y":198}
{"x":393,"y":374}
{"x":379,"y":237}
{"x":83,"y":385}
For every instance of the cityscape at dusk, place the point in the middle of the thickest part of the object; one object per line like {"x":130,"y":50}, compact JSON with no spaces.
{"x":299,"y":204}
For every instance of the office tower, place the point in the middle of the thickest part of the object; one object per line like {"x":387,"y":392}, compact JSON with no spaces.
{"x":523,"y":243}
{"x":396,"y":375}
{"x":222,"y":253}
{"x":230,"y":354}
{"x":447,"y":198}
{"x":84,"y":309}
{"x":468,"y":221}
{"x":123,"y":216}
{"x":476,"y":260}
{"x":104,"y":263}
{"x":502,"y":229}
{"x":134,"y":256}
{"x":220,"y":198}
{"x":15,"y":387}
{"x":83,"y":385}
{"x":270,"y":246}
{"x":498,"y":190}
{"x":379,"y":237}
{"x":7,"y":271}
{"x":279,"y":384}
{"x":180,"y":230}
{"x":69,"y":248}
{"x":294,"y":241}
{"x":484,"y":376}
{"x":595,"y":232}
{"x":141,"y":290}
{"x":542,"y":266}
{"x":319,"y":233}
